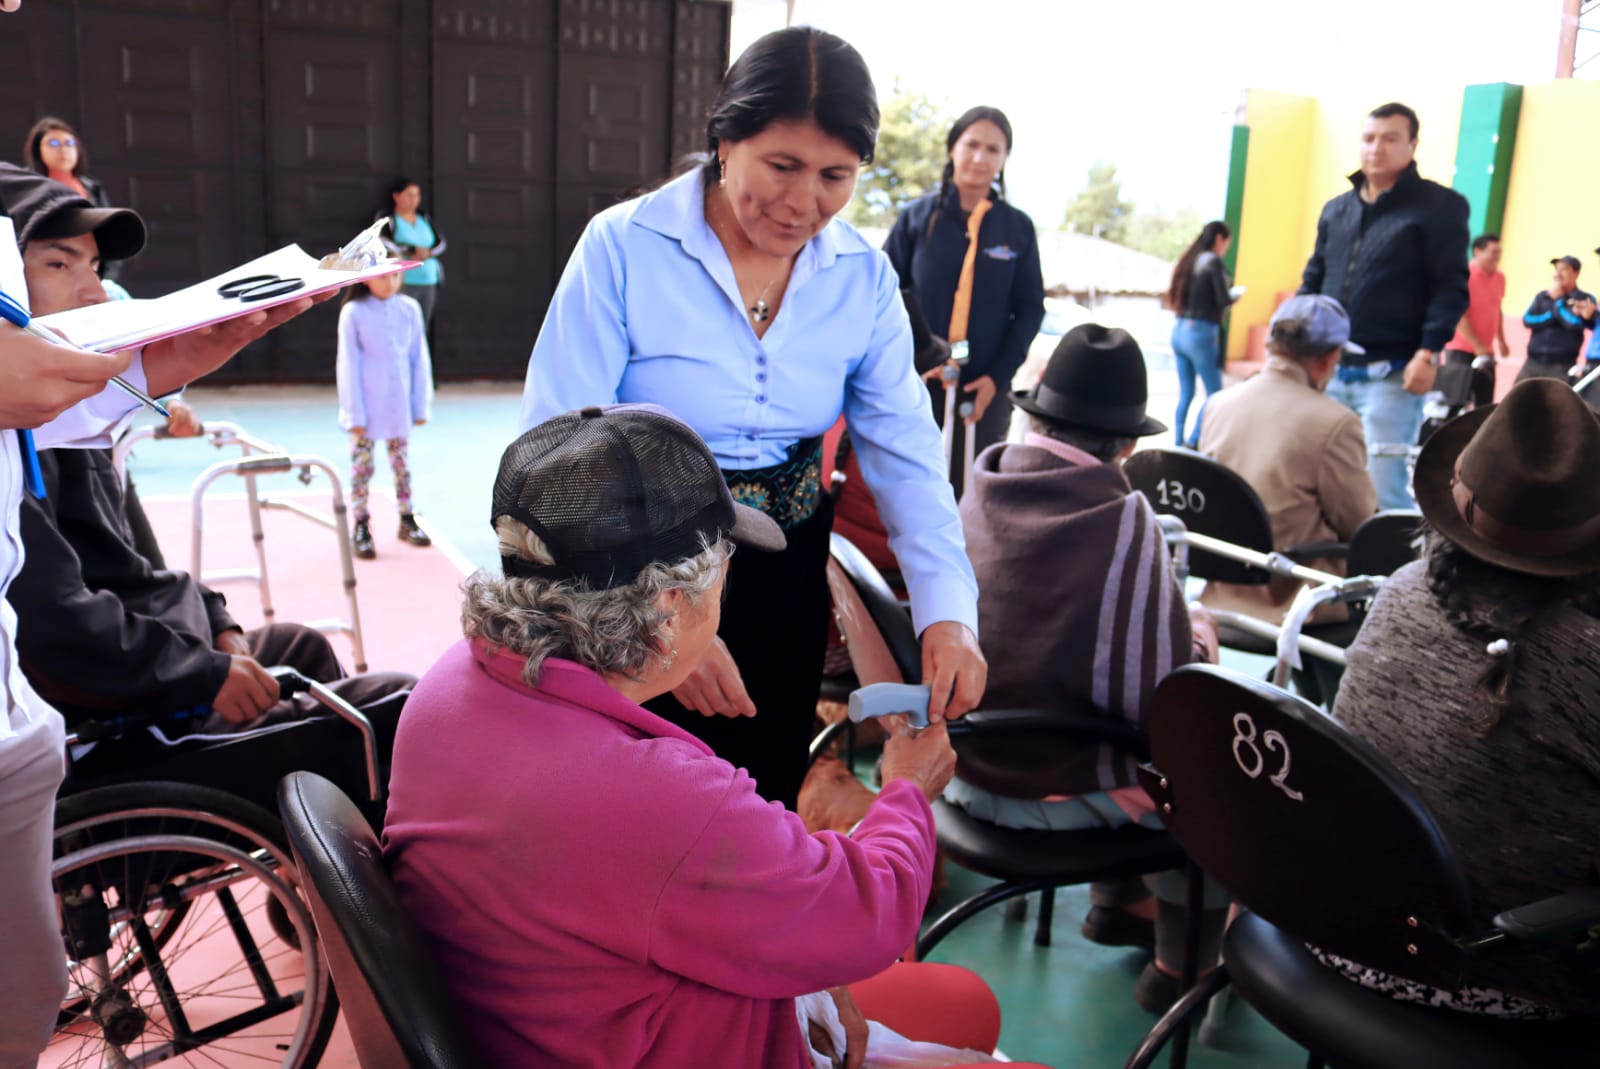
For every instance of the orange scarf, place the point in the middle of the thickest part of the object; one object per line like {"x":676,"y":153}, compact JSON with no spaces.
{"x":961,"y":310}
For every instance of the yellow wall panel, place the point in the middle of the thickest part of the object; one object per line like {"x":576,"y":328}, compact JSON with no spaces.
{"x":1274,"y":204}
{"x":1552,"y":203}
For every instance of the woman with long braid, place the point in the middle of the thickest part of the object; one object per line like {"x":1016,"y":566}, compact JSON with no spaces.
{"x":973,"y":261}
{"x":1474,"y":675}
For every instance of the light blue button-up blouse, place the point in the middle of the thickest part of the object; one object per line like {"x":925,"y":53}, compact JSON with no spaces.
{"x":648,"y":310}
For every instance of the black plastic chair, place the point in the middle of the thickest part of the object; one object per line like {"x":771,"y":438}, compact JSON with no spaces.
{"x":397,"y":1008}
{"x":1315,"y":832}
{"x":987,"y":746}
{"x":1385,"y":542}
{"x":1212,"y":499}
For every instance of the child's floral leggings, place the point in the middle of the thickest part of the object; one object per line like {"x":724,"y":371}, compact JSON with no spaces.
{"x":362,"y":467}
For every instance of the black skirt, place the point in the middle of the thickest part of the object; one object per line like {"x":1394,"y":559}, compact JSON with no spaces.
{"x":774,"y":621}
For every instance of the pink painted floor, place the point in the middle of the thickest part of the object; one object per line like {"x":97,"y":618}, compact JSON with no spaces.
{"x":408,"y":602}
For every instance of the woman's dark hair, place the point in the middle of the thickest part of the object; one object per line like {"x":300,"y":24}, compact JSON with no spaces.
{"x":30,"y":147}
{"x":792,"y":75}
{"x":1183,"y":270}
{"x":401,"y":184}
{"x":1490,"y":603}
{"x":947,"y":176}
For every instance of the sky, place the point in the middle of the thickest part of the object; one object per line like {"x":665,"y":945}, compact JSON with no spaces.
{"x":1154,"y":86}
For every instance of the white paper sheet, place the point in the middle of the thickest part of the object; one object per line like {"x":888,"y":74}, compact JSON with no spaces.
{"x":117,"y":325}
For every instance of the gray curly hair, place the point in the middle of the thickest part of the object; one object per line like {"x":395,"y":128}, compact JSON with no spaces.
{"x":614,"y":632}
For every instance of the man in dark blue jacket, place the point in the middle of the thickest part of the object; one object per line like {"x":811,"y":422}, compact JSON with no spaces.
{"x":1393,"y":251}
{"x":1556,"y":320}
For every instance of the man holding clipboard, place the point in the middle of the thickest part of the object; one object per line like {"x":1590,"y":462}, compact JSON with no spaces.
{"x":59,"y":392}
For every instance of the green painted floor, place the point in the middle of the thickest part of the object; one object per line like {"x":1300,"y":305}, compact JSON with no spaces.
{"x":1069,"y":1005}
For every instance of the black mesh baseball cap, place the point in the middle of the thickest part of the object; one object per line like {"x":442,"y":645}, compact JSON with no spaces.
{"x":613,"y":490}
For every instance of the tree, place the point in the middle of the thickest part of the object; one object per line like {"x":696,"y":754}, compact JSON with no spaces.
{"x":1100,"y":209}
{"x":908,"y":160}
{"x":1163,"y":234}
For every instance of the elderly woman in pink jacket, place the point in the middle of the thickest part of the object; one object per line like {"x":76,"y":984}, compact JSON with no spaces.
{"x":602,"y":889}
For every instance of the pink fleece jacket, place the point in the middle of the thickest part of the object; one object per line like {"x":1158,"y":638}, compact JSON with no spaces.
{"x":603,"y":891}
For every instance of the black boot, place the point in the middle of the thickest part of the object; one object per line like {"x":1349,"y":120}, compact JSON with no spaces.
{"x":411,"y":533}
{"x":361,"y":541}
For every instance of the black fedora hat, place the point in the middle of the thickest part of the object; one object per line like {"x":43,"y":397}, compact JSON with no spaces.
{"x":1095,"y":379}
{"x":1518,"y":483}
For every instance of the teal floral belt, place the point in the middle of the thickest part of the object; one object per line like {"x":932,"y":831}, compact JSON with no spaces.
{"x":790,"y":491}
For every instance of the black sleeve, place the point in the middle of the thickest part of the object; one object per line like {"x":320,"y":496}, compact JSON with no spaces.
{"x":1445,"y":240}
{"x":1217,"y":279}
{"x":217,"y":612}
{"x":82,"y":647}
{"x":928,"y":350}
{"x":1027,"y":310}
{"x":1316,"y":267}
{"x":901,"y":245}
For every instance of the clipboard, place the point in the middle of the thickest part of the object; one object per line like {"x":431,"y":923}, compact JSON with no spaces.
{"x":117,"y":325}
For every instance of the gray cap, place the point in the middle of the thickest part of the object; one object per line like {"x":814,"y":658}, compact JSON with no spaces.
{"x":1324,"y":320}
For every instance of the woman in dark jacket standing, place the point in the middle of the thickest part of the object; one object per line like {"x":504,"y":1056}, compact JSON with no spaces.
{"x":998,"y":310}
{"x":1200,"y":294}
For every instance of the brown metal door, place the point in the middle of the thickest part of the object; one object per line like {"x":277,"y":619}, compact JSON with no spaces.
{"x":238,"y":126}
{"x":492,"y":194}
{"x":335,"y":112}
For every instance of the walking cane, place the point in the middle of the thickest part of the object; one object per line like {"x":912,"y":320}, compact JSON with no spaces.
{"x":951,"y":378}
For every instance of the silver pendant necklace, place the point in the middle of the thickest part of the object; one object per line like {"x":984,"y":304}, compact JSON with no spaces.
{"x":760,"y":312}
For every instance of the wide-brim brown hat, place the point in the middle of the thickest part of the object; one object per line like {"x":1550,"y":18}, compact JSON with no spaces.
{"x":1517,"y":484}
{"x":1096,"y":378}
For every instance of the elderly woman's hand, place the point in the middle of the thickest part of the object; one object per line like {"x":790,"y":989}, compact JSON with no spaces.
{"x":954,"y":666}
{"x":924,"y":757}
{"x":715,"y":687}
{"x":855,"y":1030}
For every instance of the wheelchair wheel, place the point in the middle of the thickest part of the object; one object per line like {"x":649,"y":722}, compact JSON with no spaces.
{"x":172,"y":899}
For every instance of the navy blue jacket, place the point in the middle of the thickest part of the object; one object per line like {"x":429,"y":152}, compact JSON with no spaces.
{"x":1557,"y":332}
{"x":1401,"y":272}
{"x":1007,"y":286}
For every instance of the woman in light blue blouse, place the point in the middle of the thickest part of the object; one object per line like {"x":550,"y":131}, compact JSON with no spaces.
{"x":411,"y":235}
{"x":733,"y":297}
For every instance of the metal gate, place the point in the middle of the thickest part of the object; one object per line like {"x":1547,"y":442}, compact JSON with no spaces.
{"x":237,"y":126}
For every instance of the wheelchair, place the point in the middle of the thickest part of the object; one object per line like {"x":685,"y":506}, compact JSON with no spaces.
{"x":187,"y":938}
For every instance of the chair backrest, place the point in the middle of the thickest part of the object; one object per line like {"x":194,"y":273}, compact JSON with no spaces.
{"x":1209,"y":498}
{"x":395,"y":1003}
{"x":892,"y":620}
{"x":1384,"y":542}
{"x":1306,"y":824}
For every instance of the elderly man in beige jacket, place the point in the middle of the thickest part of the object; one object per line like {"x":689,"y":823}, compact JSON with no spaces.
{"x":1303,"y":452}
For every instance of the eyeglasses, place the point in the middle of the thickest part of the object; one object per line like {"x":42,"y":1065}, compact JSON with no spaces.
{"x":61,"y":142}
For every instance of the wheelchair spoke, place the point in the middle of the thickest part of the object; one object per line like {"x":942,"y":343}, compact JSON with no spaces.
{"x":197,"y":969}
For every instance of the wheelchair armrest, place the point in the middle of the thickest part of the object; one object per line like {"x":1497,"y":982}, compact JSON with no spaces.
{"x":1317,"y":550}
{"x":291,"y":682}
{"x":1551,"y":919}
{"x":1057,"y":723}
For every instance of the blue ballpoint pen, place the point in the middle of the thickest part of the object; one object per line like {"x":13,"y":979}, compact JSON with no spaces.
{"x":15,"y":314}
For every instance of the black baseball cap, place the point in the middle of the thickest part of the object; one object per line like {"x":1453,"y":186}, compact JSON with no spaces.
{"x":41,"y":208}
{"x":611,"y":490}
{"x":1571,"y":261}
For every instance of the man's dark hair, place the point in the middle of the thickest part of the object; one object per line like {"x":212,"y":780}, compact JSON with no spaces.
{"x":1483,"y":241}
{"x":1098,"y":444}
{"x":1393,"y":108}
